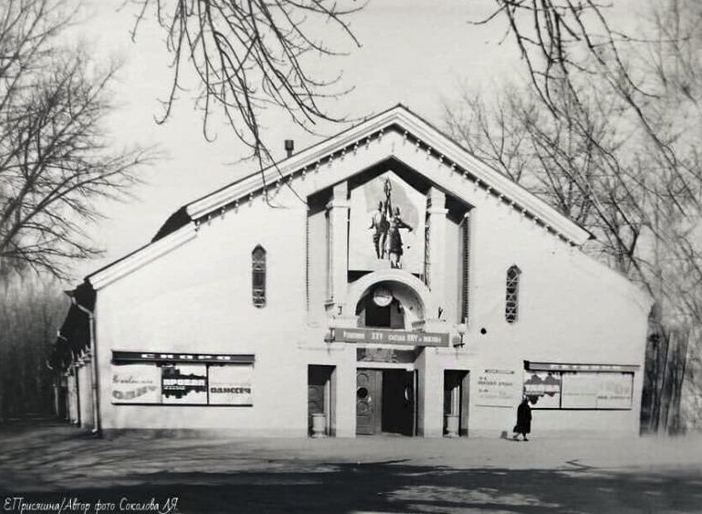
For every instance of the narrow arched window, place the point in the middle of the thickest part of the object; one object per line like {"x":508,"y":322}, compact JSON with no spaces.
{"x":258,"y":276}
{"x":512,"y":294}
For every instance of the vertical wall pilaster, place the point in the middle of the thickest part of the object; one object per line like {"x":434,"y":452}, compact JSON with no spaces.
{"x":436,"y":217}
{"x":338,"y":209}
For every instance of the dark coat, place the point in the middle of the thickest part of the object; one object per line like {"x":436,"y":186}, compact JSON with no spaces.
{"x":523,"y":425}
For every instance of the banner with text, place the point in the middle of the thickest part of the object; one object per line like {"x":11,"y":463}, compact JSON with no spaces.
{"x":378,"y":336}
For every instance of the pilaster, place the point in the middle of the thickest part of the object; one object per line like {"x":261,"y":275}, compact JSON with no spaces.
{"x":338,"y":209}
{"x":436,"y":218}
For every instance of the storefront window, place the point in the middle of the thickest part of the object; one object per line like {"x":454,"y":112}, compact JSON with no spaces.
{"x":181,"y":379}
{"x":579,"y":386}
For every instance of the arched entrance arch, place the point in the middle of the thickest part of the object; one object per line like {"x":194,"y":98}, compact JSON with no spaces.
{"x":412,"y":294}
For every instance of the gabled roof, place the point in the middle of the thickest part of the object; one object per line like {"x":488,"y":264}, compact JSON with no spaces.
{"x":422,"y":133}
{"x":398,"y":119}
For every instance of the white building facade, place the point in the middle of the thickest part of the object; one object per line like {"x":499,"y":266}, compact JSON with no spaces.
{"x":383,"y":281}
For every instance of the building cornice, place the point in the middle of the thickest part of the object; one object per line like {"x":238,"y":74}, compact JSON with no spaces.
{"x":141,"y":257}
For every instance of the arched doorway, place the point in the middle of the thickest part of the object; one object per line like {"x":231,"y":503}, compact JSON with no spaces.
{"x":386,"y":390}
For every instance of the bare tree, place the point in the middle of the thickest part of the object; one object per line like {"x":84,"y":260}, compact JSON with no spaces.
{"x":31,"y":312}
{"x":55,"y":160}
{"x":250,"y":56}
{"x":608,"y":131}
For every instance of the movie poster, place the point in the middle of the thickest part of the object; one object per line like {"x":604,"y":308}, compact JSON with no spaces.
{"x":543,"y":388}
{"x":584,"y":390}
{"x":184,"y":383}
{"x":136,"y":383}
{"x":230,"y":385}
{"x":387,"y":226}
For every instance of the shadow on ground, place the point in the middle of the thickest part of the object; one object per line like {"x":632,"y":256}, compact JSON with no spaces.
{"x":394,"y":487}
{"x":53,"y":465}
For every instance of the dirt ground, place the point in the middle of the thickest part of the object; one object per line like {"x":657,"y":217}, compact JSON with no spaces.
{"x":56,"y":468}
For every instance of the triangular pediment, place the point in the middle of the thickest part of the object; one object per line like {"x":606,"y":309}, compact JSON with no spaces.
{"x":396,"y":134}
{"x":396,"y":139}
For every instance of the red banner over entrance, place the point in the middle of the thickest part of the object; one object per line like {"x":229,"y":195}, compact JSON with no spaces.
{"x":379,"y":336}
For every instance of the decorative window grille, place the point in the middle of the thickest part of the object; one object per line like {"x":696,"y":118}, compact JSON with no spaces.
{"x":512,"y":294}
{"x":258,"y":276}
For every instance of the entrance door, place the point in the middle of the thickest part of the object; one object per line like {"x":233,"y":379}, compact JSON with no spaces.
{"x":456,"y":402}
{"x":398,"y":402}
{"x":385,"y":401}
{"x":369,"y":384}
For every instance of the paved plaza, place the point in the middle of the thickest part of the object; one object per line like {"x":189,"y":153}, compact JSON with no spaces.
{"x":53,"y":467}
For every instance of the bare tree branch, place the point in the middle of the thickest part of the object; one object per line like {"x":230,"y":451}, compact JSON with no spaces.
{"x":250,"y":55}
{"x":55,"y":161}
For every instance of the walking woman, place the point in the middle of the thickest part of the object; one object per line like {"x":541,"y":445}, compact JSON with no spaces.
{"x":523,"y":425}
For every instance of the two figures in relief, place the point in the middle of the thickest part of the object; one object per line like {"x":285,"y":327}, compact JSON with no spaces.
{"x":386,"y":224}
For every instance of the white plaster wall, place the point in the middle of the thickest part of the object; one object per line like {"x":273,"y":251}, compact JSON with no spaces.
{"x":86,"y":397}
{"x":197,"y":299}
{"x":571,"y":310}
{"x":570,"y":307}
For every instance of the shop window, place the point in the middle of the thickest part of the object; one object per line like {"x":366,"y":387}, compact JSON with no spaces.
{"x":258,"y":276}
{"x":182,"y":379}
{"x":512,"y":294}
{"x":579,"y":386}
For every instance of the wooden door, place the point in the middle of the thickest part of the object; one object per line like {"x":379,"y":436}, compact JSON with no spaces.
{"x":369,"y":387}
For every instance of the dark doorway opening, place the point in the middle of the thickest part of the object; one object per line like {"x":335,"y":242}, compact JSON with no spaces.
{"x":456,"y":401}
{"x":320,"y":397}
{"x":385,"y":402}
{"x":388,"y":316}
{"x":398,"y":402}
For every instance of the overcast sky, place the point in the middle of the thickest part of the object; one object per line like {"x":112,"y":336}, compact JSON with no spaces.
{"x":413,"y":52}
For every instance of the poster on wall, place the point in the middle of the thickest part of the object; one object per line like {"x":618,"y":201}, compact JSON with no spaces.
{"x":498,"y":388}
{"x":230,"y":385}
{"x":543,"y":388}
{"x":387,"y":225}
{"x":597,"y":390}
{"x":184,"y":383}
{"x":136,"y":383}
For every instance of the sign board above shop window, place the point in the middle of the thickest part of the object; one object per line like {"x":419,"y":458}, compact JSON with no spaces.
{"x":378,"y":336}
{"x":553,"y":366}
{"x":208,"y":358}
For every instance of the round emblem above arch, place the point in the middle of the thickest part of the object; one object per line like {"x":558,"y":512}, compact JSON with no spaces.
{"x":379,"y":288}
